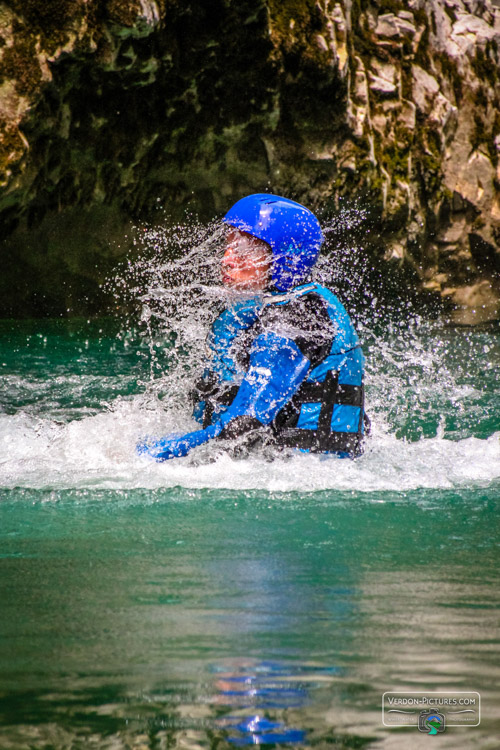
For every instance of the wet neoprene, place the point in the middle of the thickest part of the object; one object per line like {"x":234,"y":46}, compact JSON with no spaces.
{"x":304,"y":374}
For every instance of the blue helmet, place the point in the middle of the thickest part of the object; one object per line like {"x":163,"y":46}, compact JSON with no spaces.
{"x":292,"y":231}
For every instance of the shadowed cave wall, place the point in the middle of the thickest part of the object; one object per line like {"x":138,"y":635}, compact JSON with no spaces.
{"x":113,"y":109}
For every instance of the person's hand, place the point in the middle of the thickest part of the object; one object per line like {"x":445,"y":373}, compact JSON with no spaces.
{"x":171,"y":446}
{"x":175,"y":446}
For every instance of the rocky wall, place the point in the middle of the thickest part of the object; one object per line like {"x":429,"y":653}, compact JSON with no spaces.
{"x":110,"y":109}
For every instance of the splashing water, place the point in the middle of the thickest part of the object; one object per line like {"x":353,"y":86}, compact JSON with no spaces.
{"x":432,"y":392}
{"x":219,"y":601}
{"x":174,"y":287}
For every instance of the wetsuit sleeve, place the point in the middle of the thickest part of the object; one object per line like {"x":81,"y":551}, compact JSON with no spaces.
{"x":276,"y":370}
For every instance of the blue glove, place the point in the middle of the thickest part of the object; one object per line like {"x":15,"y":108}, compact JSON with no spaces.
{"x":175,"y":446}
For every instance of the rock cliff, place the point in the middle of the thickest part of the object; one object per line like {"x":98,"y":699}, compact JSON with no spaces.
{"x":111,"y":108}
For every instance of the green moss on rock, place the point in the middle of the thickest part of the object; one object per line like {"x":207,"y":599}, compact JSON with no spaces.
{"x":52,"y":23}
{"x":294,"y":26}
{"x":422,"y":56}
{"x":228,"y":97}
{"x":449,"y":69}
{"x":43,"y":15}
{"x":391,"y":6}
{"x":20,"y":63}
{"x":12,"y":147}
{"x":123,"y":12}
{"x":484,"y":66}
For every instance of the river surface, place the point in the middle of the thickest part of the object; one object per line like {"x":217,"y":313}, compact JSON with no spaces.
{"x":220,"y":601}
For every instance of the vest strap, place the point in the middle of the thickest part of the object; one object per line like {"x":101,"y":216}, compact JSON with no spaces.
{"x":309,"y":440}
{"x":322,"y":439}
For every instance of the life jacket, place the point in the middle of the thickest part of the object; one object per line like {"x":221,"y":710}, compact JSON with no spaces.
{"x":326,"y":414}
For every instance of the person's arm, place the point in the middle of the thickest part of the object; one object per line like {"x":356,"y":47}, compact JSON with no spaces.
{"x":277,"y":368}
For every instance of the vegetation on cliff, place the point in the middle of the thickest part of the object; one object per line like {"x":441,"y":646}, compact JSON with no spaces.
{"x":110,"y":108}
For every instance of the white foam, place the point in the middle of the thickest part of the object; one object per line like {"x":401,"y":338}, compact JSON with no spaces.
{"x":99,"y":452}
{"x":417,"y":374}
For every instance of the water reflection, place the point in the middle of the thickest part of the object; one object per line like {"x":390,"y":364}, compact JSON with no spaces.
{"x":205,"y":620}
{"x":257,"y":690}
{"x":259,"y":731}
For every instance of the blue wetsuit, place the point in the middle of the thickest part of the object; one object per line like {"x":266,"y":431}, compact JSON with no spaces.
{"x":287,"y":366}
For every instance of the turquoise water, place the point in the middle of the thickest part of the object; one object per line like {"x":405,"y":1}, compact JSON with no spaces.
{"x":215,"y":601}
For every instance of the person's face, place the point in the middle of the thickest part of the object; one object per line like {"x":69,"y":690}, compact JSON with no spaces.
{"x":246,"y":265}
